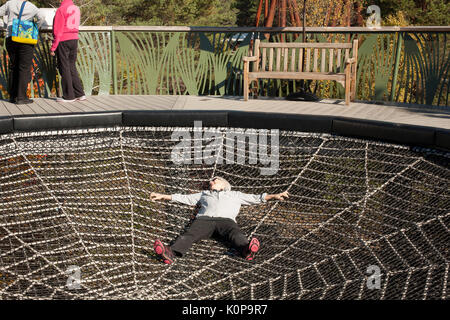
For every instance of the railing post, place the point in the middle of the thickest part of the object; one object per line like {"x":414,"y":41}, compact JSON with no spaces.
{"x":113,"y":61}
{"x":397,"y":64}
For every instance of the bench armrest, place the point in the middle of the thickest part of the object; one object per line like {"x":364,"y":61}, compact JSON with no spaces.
{"x":350,"y":61}
{"x":252,"y":58}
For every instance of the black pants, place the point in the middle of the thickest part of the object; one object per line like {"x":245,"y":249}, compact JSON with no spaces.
{"x":204,"y":228}
{"x":21,"y":58}
{"x":66,"y":52}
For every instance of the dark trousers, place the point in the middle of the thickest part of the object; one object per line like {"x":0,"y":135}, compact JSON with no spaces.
{"x":20,"y":58}
{"x":66,"y":52}
{"x":205,"y":228}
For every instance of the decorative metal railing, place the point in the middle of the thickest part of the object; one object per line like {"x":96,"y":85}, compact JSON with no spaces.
{"x":409,"y":65}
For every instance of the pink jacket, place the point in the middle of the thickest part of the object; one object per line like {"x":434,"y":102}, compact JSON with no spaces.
{"x":66,"y":23}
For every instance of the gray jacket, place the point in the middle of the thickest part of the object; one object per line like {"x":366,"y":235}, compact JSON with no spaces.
{"x":219,"y":204}
{"x":11,"y":9}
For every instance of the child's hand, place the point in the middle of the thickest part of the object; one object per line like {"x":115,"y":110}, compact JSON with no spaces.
{"x":156,"y":196}
{"x":281,"y":196}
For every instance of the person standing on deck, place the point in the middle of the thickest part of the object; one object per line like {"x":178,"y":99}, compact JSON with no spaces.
{"x":65,"y":46}
{"x":20,"y":54}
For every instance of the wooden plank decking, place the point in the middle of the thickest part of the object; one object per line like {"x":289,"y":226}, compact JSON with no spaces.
{"x":414,"y":115}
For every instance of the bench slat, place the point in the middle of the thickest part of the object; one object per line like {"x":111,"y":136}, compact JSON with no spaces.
{"x":338,"y":61}
{"x":322,"y":63}
{"x":263,"y":59}
{"x":300,"y":60}
{"x":285,"y":59}
{"x":293,"y":53}
{"x":297,"y":75}
{"x":270,"y":59}
{"x":277,"y":68}
{"x":330,"y":62}
{"x":308,"y":59}
{"x":305,"y":45}
{"x":316,"y":57}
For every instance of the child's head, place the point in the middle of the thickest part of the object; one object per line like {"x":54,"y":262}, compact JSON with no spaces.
{"x":219,"y":184}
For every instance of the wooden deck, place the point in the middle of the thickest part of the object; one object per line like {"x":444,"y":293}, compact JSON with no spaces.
{"x":402,"y":114}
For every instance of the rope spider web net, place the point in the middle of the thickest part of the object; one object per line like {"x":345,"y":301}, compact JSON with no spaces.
{"x":81,"y":199}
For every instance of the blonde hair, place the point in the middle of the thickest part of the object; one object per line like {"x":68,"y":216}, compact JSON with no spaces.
{"x":227,"y":186}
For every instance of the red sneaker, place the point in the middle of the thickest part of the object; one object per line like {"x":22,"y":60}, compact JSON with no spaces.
{"x":164,"y":252}
{"x":252,"y":249}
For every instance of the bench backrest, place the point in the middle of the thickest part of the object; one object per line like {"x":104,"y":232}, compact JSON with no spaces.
{"x":318,"y":57}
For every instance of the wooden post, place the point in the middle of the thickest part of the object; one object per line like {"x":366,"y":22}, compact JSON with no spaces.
{"x":256,"y":54}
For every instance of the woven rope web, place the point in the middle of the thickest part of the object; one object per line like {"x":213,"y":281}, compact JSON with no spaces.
{"x":81,"y":199}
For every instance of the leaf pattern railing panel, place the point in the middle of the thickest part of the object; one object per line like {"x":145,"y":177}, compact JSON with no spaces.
{"x":94,"y":62}
{"x":179,"y":63}
{"x":424,"y":70}
{"x":375,"y":66}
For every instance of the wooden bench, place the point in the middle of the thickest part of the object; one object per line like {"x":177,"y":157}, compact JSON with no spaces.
{"x":323,"y":61}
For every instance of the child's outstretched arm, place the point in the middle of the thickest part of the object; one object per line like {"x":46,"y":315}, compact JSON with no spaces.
{"x":189,"y":199}
{"x":249,"y":199}
{"x":277,"y":196}
{"x":159,"y":196}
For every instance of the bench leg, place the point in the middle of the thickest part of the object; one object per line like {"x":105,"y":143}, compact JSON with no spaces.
{"x":246,"y":82}
{"x":348,"y":84}
{"x":353,"y":97}
{"x":347,"y":96}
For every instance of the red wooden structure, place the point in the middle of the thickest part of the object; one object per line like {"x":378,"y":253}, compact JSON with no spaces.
{"x":282,"y":7}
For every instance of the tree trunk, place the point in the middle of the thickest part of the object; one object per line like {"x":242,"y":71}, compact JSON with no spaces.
{"x":266,"y":10}
{"x":258,"y":13}
{"x":328,"y":15}
{"x":348,"y":13}
{"x":298,"y":21}
{"x":271,"y":16}
{"x":291,"y":13}
{"x":359,"y":19}
{"x":283,"y":13}
{"x":337,"y":13}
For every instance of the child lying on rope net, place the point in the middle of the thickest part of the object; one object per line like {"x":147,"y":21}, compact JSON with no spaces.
{"x":219,"y":207}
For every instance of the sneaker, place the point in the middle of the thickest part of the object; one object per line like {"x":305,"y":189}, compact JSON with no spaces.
{"x":65,"y":100}
{"x":82,"y":98}
{"x":164,"y":252}
{"x":252,"y":249}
